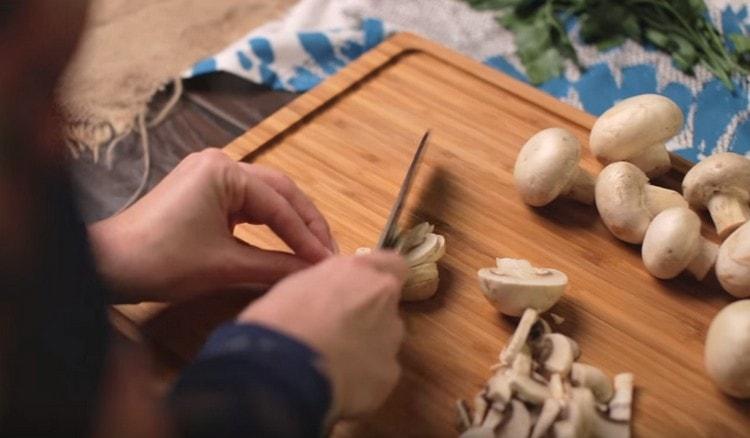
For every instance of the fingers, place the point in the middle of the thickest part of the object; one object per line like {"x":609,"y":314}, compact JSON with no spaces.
{"x":257,"y":202}
{"x":297,"y":199}
{"x":389,"y":262}
{"x":251,"y":264}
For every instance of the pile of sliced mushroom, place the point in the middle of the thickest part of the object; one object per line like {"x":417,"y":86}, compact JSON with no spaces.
{"x":539,"y":389}
{"x":422,"y":249}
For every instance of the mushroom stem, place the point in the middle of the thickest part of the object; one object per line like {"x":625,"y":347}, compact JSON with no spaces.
{"x":519,"y":337}
{"x":659,"y":199}
{"x":581,"y":187}
{"x":653,"y":161}
{"x":728,"y":212}
{"x":704,"y":260}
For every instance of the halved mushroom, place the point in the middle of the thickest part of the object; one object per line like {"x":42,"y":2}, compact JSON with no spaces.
{"x":673,"y":243}
{"x":727,"y":352}
{"x":721,"y":183}
{"x":733,"y":263}
{"x":515,"y":285}
{"x":627,"y":202}
{"x":593,"y":378}
{"x":547,"y":167}
{"x":635,"y":130}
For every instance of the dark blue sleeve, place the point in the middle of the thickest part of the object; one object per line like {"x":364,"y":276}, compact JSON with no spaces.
{"x":251,"y":381}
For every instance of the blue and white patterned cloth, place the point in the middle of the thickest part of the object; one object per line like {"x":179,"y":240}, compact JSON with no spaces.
{"x":319,"y":37}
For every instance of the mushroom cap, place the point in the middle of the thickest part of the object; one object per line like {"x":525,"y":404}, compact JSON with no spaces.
{"x":725,"y":172}
{"x":727,"y":352}
{"x":619,"y":195}
{"x":634,"y":124}
{"x":672,"y":241}
{"x":733,"y":262}
{"x":515,"y":285}
{"x":545,"y":166}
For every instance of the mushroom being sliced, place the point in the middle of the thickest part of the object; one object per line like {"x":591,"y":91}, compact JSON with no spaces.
{"x":421,"y":283}
{"x":720,"y":183}
{"x":733,"y":263}
{"x":674,"y":243}
{"x":627,"y":202}
{"x":635,"y":130}
{"x":515,"y":285}
{"x":430,"y":250}
{"x":547,"y":167}
{"x":727,"y":352}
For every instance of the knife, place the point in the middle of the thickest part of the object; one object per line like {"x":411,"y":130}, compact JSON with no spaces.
{"x":388,"y":236}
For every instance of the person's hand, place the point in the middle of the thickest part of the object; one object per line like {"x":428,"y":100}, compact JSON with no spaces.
{"x":176,"y":242}
{"x":347,"y":309}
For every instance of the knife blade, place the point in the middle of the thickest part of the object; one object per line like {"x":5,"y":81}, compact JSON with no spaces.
{"x":387,"y":238}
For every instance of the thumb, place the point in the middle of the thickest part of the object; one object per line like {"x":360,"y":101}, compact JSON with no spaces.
{"x":250,"y":264}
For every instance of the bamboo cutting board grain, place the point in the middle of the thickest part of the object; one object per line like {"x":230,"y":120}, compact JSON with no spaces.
{"x":347,"y":143}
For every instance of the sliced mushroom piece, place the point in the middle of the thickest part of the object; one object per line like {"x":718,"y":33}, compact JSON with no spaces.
{"x":522,"y":363}
{"x":430,"y":250}
{"x":515,"y":285}
{"x":463,"y":421}
{"x":547,"y":167}
{"x":674,"y":243}
{"x":481,"y":406}
{"x":627,"y":202}
{"x":421,"y":283}
{"x":556,"y":353}
{"x":499,"y":389}
{"x":720,"y":183}
{"x":733,"y":263}
{"x":548,"y":415}
{"x":622,"y":400}
{"x":727,"y":354}
{"x":636,"y":130}
{"x":518,"y":340}
{"x":413,"y":237}
{"x":579,"y":415}
{"x":588,"y":376}
{"x":529,"y":390}
{"x":517,"y":424}
{"x":607,"y":428}
{"x":494,"y":417}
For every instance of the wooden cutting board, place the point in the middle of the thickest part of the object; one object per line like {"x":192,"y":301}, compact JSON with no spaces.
{"x":347,"y":144}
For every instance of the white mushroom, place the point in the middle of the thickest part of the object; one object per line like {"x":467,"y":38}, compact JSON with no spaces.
{"x":547,"y":167}
{"x":421,"y":283}
{"x":430,"y":250}
{"x":721,"y":183}
{"x":519,"y":338}
{"x":622,"y":400}
{"x":557,"y":353}
{"x":593,"y":378}
{"x":518,"y":423}
{"x":548,"y":415}
{"x":627,"y":202}
{"x":733,"y":263}
{"x":579,"y":415}
{"x":727,"y":352}
{"x":635,"y":130}
{"x":674,"y":243}
{"x":515,"y":285}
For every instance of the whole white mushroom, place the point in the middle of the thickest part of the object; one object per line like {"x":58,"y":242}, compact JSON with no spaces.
{"x":727,"y":353}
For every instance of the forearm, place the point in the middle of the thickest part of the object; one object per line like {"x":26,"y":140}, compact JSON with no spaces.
{"x":252,"y":381}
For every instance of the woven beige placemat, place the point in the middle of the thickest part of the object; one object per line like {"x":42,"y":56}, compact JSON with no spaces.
{"x":132,"y":48}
